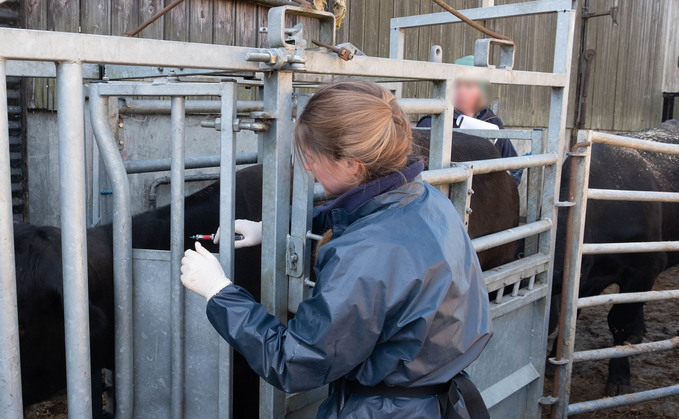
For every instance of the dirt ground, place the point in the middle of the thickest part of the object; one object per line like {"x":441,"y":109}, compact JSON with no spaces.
{"x":589,"y":378}
{"x":649,"y":371}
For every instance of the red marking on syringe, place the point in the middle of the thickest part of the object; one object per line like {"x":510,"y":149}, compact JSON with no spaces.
{"x":211,"y":237}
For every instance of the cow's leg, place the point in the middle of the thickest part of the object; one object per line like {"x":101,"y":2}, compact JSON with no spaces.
{"x":626,"y":321}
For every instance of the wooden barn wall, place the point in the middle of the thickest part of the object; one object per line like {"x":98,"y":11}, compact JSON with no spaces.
{"x":625,"y":84}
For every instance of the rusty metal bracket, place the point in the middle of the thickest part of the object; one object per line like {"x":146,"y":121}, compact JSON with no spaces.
{"x":342,"y":52}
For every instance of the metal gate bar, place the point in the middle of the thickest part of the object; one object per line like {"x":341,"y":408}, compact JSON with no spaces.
{"x":122,"y":253}
{"x":629,"y":297}
{"x":70,"y":101}
{"x":10,"y":371}
{"x":227,"y":216}
{"x":623,"y":400}
{"x":622,"y":351}
{"x":178,"y":146}
{"x":575,"y":249}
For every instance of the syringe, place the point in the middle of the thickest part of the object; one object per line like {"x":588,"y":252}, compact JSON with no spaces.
{"x":211,"y":237}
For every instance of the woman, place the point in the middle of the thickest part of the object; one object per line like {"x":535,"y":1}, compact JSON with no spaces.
{"x":470,"y":100}
{"x":400,"y":307}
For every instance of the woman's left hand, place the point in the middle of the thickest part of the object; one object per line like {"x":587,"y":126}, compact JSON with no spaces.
{"x":202,"y":273}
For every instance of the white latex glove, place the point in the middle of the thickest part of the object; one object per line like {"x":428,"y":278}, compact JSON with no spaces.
{"x":251,"y":231}
{"x":202,"y":273}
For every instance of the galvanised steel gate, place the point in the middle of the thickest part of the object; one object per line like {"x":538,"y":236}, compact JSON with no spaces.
{"x":580,"y":193}
{"x":509,"y":384}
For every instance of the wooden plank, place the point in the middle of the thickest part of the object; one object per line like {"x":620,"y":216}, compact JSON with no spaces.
{"x":200,"y":21}
{"x":124,"y":16}
{"x":95,"y":17}
{"x":263,"y":21}
{"x":355,"y":23}
{"x":371,"y":27}
{"x":63,"y":15}
{"x":176,"y":22}
{"x":35,"y":14}
{"x":603,"y":74}
{"x":342,"y":34}
{"x":385,"y":13}
{"x":246,"y":20}
{"x":224,"y":22}
{"x":424,"y":45}
{"x":148,"y":9}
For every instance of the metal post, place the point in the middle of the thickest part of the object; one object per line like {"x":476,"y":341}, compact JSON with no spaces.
{"x":565,"y":344}
{"x":177,"y":252}
{"x":10,"y":371}
{"x":534,"y":187}
{"x":227,"y":215}
{"x":122,"y":253}
{"x":441,"y":138}
{"x":276,"y":153}
{"x":70,"y":103}
{"x":461,"y":196}
{"x":551,"y":175}
{"x":299,"y":246}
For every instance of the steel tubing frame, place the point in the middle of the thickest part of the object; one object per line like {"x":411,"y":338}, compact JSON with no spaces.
{"x":122,"y":252}
{"x":623,"y":400}
{"x":10,"y":370}
{"x":575,"y":249}
{"x":178,"y":147}
{"x":645,"y":196}
{"x":89,"y":49}
{"x":626,"y":350}
{"x":628,"y":297}
{"x":71,"y":127}
{"x":161,"y":165}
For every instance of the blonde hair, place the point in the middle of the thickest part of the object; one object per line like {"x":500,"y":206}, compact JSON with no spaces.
{"x":356,"y":120}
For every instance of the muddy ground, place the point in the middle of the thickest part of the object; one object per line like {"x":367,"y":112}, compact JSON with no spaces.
{"x":589,"y":378}
{"x":649,"y":371}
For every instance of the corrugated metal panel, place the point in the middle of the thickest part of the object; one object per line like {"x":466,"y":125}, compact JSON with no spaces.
{"x":10,"y":17}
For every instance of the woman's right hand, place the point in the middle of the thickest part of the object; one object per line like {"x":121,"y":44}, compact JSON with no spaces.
{"x":251,"y":231}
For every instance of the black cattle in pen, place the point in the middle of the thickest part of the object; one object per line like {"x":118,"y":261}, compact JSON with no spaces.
{"x":40,"y":296}
{"x":619,"y":222}
{"x":495,"y":202}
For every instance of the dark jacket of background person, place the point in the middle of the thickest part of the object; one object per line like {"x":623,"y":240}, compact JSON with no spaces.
{"x":400,"y":299}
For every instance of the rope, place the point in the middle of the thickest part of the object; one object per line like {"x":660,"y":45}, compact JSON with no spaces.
{"x":470,"y":22}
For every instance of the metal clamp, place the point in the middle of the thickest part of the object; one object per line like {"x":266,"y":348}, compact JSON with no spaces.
{"x":282,"y":37}
{"x":238,"y":125}
{"x":482,"y":53}
{"x":276,"y":58}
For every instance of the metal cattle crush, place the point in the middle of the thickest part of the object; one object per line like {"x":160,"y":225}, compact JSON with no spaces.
{"x":576,"y":248}
{"x":509,"y":372}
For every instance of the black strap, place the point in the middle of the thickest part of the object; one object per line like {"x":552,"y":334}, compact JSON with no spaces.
{"x":384,"y":390}
{"x":476,"y":408}
{"x":447,"y":392}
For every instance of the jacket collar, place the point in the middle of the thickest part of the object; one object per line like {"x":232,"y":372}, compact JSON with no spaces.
{"x":359,"y":202}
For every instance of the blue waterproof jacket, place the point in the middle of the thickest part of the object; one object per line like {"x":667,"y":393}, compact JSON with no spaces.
{"x":399,"y":299}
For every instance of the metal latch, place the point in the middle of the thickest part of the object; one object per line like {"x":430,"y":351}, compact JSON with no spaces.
{"x":295,"y":256}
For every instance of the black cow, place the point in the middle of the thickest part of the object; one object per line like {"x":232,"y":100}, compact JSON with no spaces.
{"x":495,"y":202}
{"x":618,"y":222}
{"x":39,"y":280}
